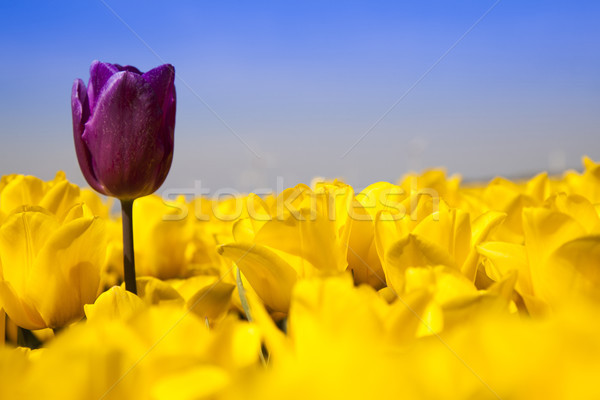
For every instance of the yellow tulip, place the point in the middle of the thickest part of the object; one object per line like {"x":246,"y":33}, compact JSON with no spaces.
{"x":307,"y":235}
{"x":434,"y":182}
{"x":577,"y":207}
{"x":338,"y":334}
{"x":215,"y":224}
{"x":562,"y":254}
{"x":363,"y":260}
{"x":430,"y":235}
{"x":162,"y":239}
{"x":159,"y":241}
{"x":501,"y":259}
{"x":508,"y":197}
{"x":50,"y":269}
{"x":573,"y":270}
{"x":56,"y":196}
{"x":586,"y":184}
{"x":128,"y":349}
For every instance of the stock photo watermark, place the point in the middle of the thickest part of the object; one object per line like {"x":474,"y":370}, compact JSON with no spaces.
{"x":327,"y":200}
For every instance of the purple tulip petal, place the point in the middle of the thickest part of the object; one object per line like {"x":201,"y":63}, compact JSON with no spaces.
{"x":167,"y":136}
{"x":81,"y":112}
{"x":162,"y":80}
{"x":129,"y":68}
{"x":79,"y":106}
{"x":100,"y":73}
{"x":122,"y":136}
{"x":162,"y":170}
{"x":169,"y":118}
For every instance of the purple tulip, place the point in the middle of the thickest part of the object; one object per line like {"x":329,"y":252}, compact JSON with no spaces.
{"x":123,"y":125}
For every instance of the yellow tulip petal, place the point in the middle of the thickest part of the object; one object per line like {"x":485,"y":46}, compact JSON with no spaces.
{"x":446,"y":284}
{"x":95,"y":203}
{"x":363,"y":259}
{"x":450,"y":229}
{"x":545,"y":231}
{"x":235,"y":344}
{"x":22,"y":236}
{"x":393,"y":225}
{"x":60,"y":198}
{"x":407,"y":315}
{"x":200,"y":382}
{"x":589,"y":164}
{"x":316,"y":309}
{"x":275,"y":340}
{"x":161,"y":243}
{"x":573,"y":270}
{"x":44,"y":335}
{"x":270,"y":276}
{"x":505,"y":287}
{"x":190,"y":286}
{"x":154,"y":291}
{"x":212,"y":301}
{"x":79,"y":210}
{"x":243,"y":230}
{"x":482,"y":227}
{"x":66,"y":273}
{"x":257,"y":210}
{"x":116,"y":303}
{"x":577,"y":207}
{"x":382,"y":196}
{"x":506,"y":257}
{"x":385,"y":233}
{"x":312,"y":237}
{"x":539,"y":187}
{"x":15,"y":364}
{"x":21,"y":191}
{"x":19,"y":310}
{"x":506,"y":196}
{"x":85,"y":360}
{"x":412,"y":251}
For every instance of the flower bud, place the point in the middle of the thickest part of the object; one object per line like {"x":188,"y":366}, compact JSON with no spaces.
{"x":123,"y":125}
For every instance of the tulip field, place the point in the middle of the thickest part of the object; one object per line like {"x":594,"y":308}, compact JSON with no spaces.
{"x":426,"y":288}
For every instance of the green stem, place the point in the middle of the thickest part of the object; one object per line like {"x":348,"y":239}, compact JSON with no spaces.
{"x":128,"y":255}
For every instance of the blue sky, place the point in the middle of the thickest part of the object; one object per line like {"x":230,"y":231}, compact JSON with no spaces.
{"x":270,"y":89}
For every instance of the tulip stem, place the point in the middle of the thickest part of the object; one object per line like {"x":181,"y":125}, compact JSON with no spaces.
{"x":128,"y":255}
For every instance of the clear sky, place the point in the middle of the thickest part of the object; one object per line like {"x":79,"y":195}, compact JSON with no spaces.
{"x":286,"y":88}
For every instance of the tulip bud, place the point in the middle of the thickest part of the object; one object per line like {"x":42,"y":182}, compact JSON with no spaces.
{"x":123,"y":126}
